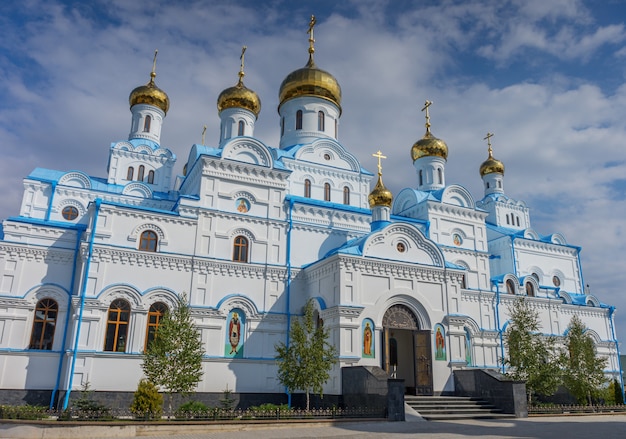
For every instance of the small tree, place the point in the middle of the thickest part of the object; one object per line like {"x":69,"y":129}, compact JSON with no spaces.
{"x":583,"y":369}
{"x":530,"y":357}
{"x":173,"y":359}
{"x":306,"y":362}
{"x":147,"y":401}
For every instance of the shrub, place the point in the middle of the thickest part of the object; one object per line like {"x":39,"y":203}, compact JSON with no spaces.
{"x":147,"y":401}
{"x":29,"y":412}
{"x":269,"y":407}
{"x":192,"y":409}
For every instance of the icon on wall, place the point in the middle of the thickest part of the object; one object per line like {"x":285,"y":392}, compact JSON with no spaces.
{"x":440,"y":342}
{"x":368,"y":338}
{"x":235,"y":324}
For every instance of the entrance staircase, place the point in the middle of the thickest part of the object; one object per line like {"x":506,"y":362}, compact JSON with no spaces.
{"x":440,"y":408}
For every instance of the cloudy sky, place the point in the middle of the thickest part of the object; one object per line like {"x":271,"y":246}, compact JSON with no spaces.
{"x":548,"y":78}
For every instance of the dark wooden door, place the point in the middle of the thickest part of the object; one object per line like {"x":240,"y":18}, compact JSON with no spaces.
{"x":423,"y":363}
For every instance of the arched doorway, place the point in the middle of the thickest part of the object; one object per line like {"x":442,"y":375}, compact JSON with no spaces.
{"x":407,"y":352}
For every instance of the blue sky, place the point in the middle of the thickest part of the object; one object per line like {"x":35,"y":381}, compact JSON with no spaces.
{"x":548,"y":78}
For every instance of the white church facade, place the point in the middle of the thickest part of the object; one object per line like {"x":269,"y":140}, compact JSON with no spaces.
{"x":417,"y":283}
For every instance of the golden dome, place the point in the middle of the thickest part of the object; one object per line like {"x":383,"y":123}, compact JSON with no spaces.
{"x":239,"y":96}
{"x":150,"y":94}
{"x":429,"y":146}
{"x":380,"y":196}
{"x":491,"y":165}
{"x":310,"y":81}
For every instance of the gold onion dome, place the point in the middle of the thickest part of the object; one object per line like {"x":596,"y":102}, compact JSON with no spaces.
{"x":150,"y":94}
{"x":491,"y":165}
{"x":429,"y":145}
{"x":380,"y":196}
{"x":239,"y":96}
{"x":310,"y":80}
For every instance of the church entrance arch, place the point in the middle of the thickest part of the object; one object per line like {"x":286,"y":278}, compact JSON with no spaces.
{"x":407,"y":352}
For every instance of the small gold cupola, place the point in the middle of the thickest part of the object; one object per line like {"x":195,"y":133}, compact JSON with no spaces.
{"x":239,"y":96}
{"x":491,"y":165}
{"x":429,"y":145}
{"x":310,"y":80}
{"x":380,"y":195}
{"x":150,"y":94}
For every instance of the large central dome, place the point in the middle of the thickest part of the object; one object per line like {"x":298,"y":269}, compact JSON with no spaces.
{"x":310,"y":81}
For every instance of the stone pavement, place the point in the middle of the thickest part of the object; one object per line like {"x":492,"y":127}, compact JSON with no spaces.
{"x":561,"y":427}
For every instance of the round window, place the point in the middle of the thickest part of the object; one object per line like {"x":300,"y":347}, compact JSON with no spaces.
{"x":556,"y":281}
{"x":401,"y":247}
{"x":70,"y":213}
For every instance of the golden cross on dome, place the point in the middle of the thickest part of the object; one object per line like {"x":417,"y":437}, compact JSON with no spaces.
{"x":379,"y":155}
{"x":488,"y":139}
{"x":203,"y":133}
{"x":241,"y":73}
{"x":153,"y":73}
{"x":426,"y":105}
{"x":311,"y":39}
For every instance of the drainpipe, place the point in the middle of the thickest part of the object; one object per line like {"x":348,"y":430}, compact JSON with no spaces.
{"x":83,"y":292}
{"x":513,"y":256}
{"x":79,"y":233}
{"x":498,"y":324}
{"x":621,"y":377}
{"x":289,"y":230}
{"x":580,"y":270}
{"x":54,"y":188}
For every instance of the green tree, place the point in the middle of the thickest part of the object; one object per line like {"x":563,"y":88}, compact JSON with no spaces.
{"x":530,"y":356}
{"x":147,"y":401}
{"x":173,"y":360}
{"x":583,"y":369}
{"x":306,"y":362}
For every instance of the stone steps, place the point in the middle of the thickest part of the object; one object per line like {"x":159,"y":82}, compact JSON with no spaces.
{"x":453,"y":407}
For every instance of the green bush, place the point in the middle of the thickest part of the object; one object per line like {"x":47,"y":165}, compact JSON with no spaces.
{"x":29,"y":412}
{"x":147,"y":401}
{"x":192,"y":409}
{"x":269,"y":407}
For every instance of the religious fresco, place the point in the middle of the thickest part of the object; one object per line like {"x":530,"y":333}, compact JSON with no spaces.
{"x":243,"y":205}
{"x":235,"y":324}
{"x":440,"y":343}
{"x":368,"y":338}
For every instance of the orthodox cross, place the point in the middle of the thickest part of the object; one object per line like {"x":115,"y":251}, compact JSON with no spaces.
{"x":153,"y":73}
{"x":203,"y":133}
{"x":426,"y":105}
{"x":241,"y":73}
{"x":379,"y":155}
{"x":488,"y":139}
{"x":311,"y":39}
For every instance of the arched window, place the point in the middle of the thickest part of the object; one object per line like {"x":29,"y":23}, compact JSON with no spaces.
{"x":141,"y":172}
{"x":282,"y":126}
{"x":156,"y":313}
{"x":530,"y":291}
{"x":346,"y":195}
{"x":510,"y":286}
{"x":508,"y":221}
{"x":69,"y":213}
{"x":150,"y":177}
{"x":299,"y":119}
{"x":130,"y":173}
{"x":421,"y":175}
{"x":487,"y":185}
{"x":240,"y":249}
{"x":320,"y":121}
{"x":440,"y":174}
{"x":499,"y":184}
{"x":240,"y":128}
{"x":146,"y":124}
{"x":117,"y":326}
{"x":44,"y":324}
{"x":307,"y":188}
{"x":148,"y":241}
{"x":518,"y":221}
{"x":326,"y":191}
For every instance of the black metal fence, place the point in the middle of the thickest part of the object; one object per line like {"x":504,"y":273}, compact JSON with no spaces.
{"x":549,"y":409}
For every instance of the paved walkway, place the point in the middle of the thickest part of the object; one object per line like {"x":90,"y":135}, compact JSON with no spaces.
{"x":565,"y":427}
{"x":562,"y":427}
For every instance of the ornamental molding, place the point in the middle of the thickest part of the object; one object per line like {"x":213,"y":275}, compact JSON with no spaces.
{"x":342,"y":311}
{"x":398,"y":269}
{"x":456,"y":211}
{"x":246,"y":172}
{"x":48,"y":255}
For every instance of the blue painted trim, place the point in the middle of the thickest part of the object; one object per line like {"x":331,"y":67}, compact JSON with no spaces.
{"x":67,"y":323}
{"x":288,"y":292}
{"x":498,"y":324}
{"x":513,"y":256}
{"x":580,"y":269}
{"x":83,"y":292}
{"x":619,"y":363}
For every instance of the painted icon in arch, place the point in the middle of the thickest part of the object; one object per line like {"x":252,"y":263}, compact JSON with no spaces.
{"x":457,"y":239}
{"x":243,"y":205}
{"x":235,"y":326}
{"x":440,"y":342}
{"x":368,"y":338}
